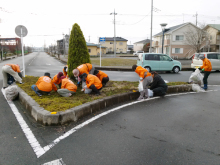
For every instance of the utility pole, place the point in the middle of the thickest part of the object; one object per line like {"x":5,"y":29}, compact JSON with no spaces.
{"x":151,"y":26}
{"x":196,"y":17}
{"x":114,"y":33}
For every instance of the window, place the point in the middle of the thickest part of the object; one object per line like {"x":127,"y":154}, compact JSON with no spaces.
{"x":212,"y":56}
{"x":89,"y":50}
{"x":218,"y":55}
{"x":153,"y":57}
{"x":179,"y":37}
{"x":164,"y":58}
{"x":120,"y":43}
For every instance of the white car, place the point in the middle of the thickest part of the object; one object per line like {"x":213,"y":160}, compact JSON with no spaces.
{"x":214,"y":58}
{"x":137,"y":52}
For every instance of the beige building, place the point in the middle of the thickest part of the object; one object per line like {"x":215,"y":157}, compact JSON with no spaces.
{"x":214,"y":37}
{"x":121,"y":45}
{"x":94,"y":49}
{"x":174,"y":41}
{"x":138,"y":46}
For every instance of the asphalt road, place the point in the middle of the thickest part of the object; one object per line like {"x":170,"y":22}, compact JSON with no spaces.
{"x":178,"y":129}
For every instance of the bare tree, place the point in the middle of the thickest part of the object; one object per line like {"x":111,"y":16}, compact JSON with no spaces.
{"x":196,"y":37}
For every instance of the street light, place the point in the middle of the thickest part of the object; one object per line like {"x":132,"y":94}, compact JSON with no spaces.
{"x":163,"y":25}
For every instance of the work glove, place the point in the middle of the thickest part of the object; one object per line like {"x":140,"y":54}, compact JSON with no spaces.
{"x":203,"y":69}
{"x":78,"y":83}
{"x":199,"y":68}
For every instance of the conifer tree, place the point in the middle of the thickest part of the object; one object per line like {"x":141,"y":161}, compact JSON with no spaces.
{"x":78,"y":52}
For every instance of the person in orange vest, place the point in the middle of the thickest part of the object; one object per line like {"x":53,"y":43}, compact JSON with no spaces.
{"x":65,"y":69}
{"x":145,"y":78}
{"x":67,"y":88}
{"x":93,"y":84}
{"x":84,"y":68}
{"x":44,"y":85}
{"x":103,"y":77}
{"x":13,"y":70}
{"x":207,"y":68}
{"x":57,"y":80}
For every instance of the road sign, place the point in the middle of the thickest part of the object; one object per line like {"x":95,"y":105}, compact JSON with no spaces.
{"x":21,"y":31}
{"x":102,"y":40}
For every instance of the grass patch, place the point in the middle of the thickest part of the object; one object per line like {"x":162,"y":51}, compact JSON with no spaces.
{"x":55,"y":102}
{"x":177,"y":83}
{"x":114,"y":62}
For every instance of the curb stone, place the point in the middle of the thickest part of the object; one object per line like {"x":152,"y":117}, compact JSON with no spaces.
{"x":74,"y":114}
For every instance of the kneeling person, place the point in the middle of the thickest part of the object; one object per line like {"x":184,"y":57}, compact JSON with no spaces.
{"x":92,"y":83}
{"x":44,"y":85}
{"x":103,"y":77}
{"x":67,"y":87}
{"x":158,"y":86}
{"x":57,"y":79}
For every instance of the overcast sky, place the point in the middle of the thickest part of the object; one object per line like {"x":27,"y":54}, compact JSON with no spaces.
{"x":48,"y":20}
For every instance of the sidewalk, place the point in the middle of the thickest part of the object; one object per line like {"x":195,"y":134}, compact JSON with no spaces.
{"x":8,"y":57}
{"x":118,"y":68}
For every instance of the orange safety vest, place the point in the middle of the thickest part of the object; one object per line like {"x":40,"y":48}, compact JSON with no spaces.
{"x":68,"y":84}
{"x":206,"y":65}
{"x":16,"y":68}
{"x":101,"y":75}
{"x":91,"y":79}
{"x":56,"y":80}
{"x":65,"y":73}
{"x":84,"y":68}
{"x":45,"y":84}
{"x":141,"y":71}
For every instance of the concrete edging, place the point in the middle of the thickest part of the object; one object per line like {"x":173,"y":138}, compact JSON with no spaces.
{"x":74,"y":114}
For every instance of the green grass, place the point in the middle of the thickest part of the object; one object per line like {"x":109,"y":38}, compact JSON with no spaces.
{"x":176,"y":83}
{"x":114,"y":62}
{"x":55,"y":102}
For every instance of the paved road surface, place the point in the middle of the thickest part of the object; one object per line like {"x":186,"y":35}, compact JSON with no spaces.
{"x":179,"y":129}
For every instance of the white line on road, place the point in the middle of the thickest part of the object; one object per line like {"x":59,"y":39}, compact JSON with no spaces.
{"x":39,"y":151}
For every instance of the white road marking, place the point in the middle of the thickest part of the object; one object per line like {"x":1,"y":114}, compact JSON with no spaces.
{"x":39,"y":151}
{"x":55,"y":162}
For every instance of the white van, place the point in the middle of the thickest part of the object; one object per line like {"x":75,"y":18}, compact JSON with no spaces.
{"x":214,"y":58}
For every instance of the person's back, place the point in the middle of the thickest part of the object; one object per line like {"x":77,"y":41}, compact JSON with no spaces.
{"x":101,"y":75}
{"x":45,"y":84}
{"x":91,"y":79}
{"x":68,"y":84}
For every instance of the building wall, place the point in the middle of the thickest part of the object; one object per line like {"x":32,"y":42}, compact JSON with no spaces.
{"x":138,"y":46}
{"x":110,"y":46}
{"x":94,"y":50}
{"x":212,"y":35}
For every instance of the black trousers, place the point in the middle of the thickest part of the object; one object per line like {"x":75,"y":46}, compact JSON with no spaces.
{"x":105,"y":80}
{"x":94,"y":89}
{"x":206,"y":75}
{"x":160,"y":91}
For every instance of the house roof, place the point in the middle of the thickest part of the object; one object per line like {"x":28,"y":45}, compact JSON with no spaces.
{"x":143,"y":41}
{"x":170,"y":29}
{"x":215,"y":26}
{"x":116,"y":39}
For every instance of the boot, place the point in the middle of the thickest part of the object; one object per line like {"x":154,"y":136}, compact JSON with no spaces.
{"x":146,"y":96}
{"x":205,"y":87}
{"x":141,"y":96}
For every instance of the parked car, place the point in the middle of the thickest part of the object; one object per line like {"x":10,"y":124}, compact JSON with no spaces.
{"x":158,"y":62}
{"x":214,"y":58}
{"x":137,"y":52}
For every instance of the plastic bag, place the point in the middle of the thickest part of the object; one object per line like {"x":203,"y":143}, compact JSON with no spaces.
{"x":197,"y":88}
{"x":150,"y":93}
{"x":11,"y":92}
{"x":196,"y":77}
{"x":140,"y":86}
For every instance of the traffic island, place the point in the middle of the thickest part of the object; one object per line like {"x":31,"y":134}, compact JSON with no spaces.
{"x":48,"y":118}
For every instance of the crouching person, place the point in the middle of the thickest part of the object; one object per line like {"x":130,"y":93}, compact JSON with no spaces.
{"x":158,"y":86}
{"x":146,"y":78}
{"x":67,"y":88}
{"x":44,"y":85}
{"x":93,"y":84}
{"x":57,"y":79}
{"x":103,"y":77}
{"x":13,"y":70}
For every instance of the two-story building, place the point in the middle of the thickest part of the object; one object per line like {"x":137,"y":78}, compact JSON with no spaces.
{"x":138,"y":46}
{"x":214,"y":37}
{"x":175,"y":44}
{"x":94,"y":49}
{"x":121,"y":45}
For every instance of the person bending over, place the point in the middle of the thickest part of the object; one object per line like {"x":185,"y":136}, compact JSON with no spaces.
{"x":145,"y":77}
{"x":158,"y":86}
{"x":44,"y":85}
{"x":13,"y":70}
{"x":103,"y":77}
{"x":67,"y":88}
{"x":93,"y":84}
{"x":57,"y":80}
